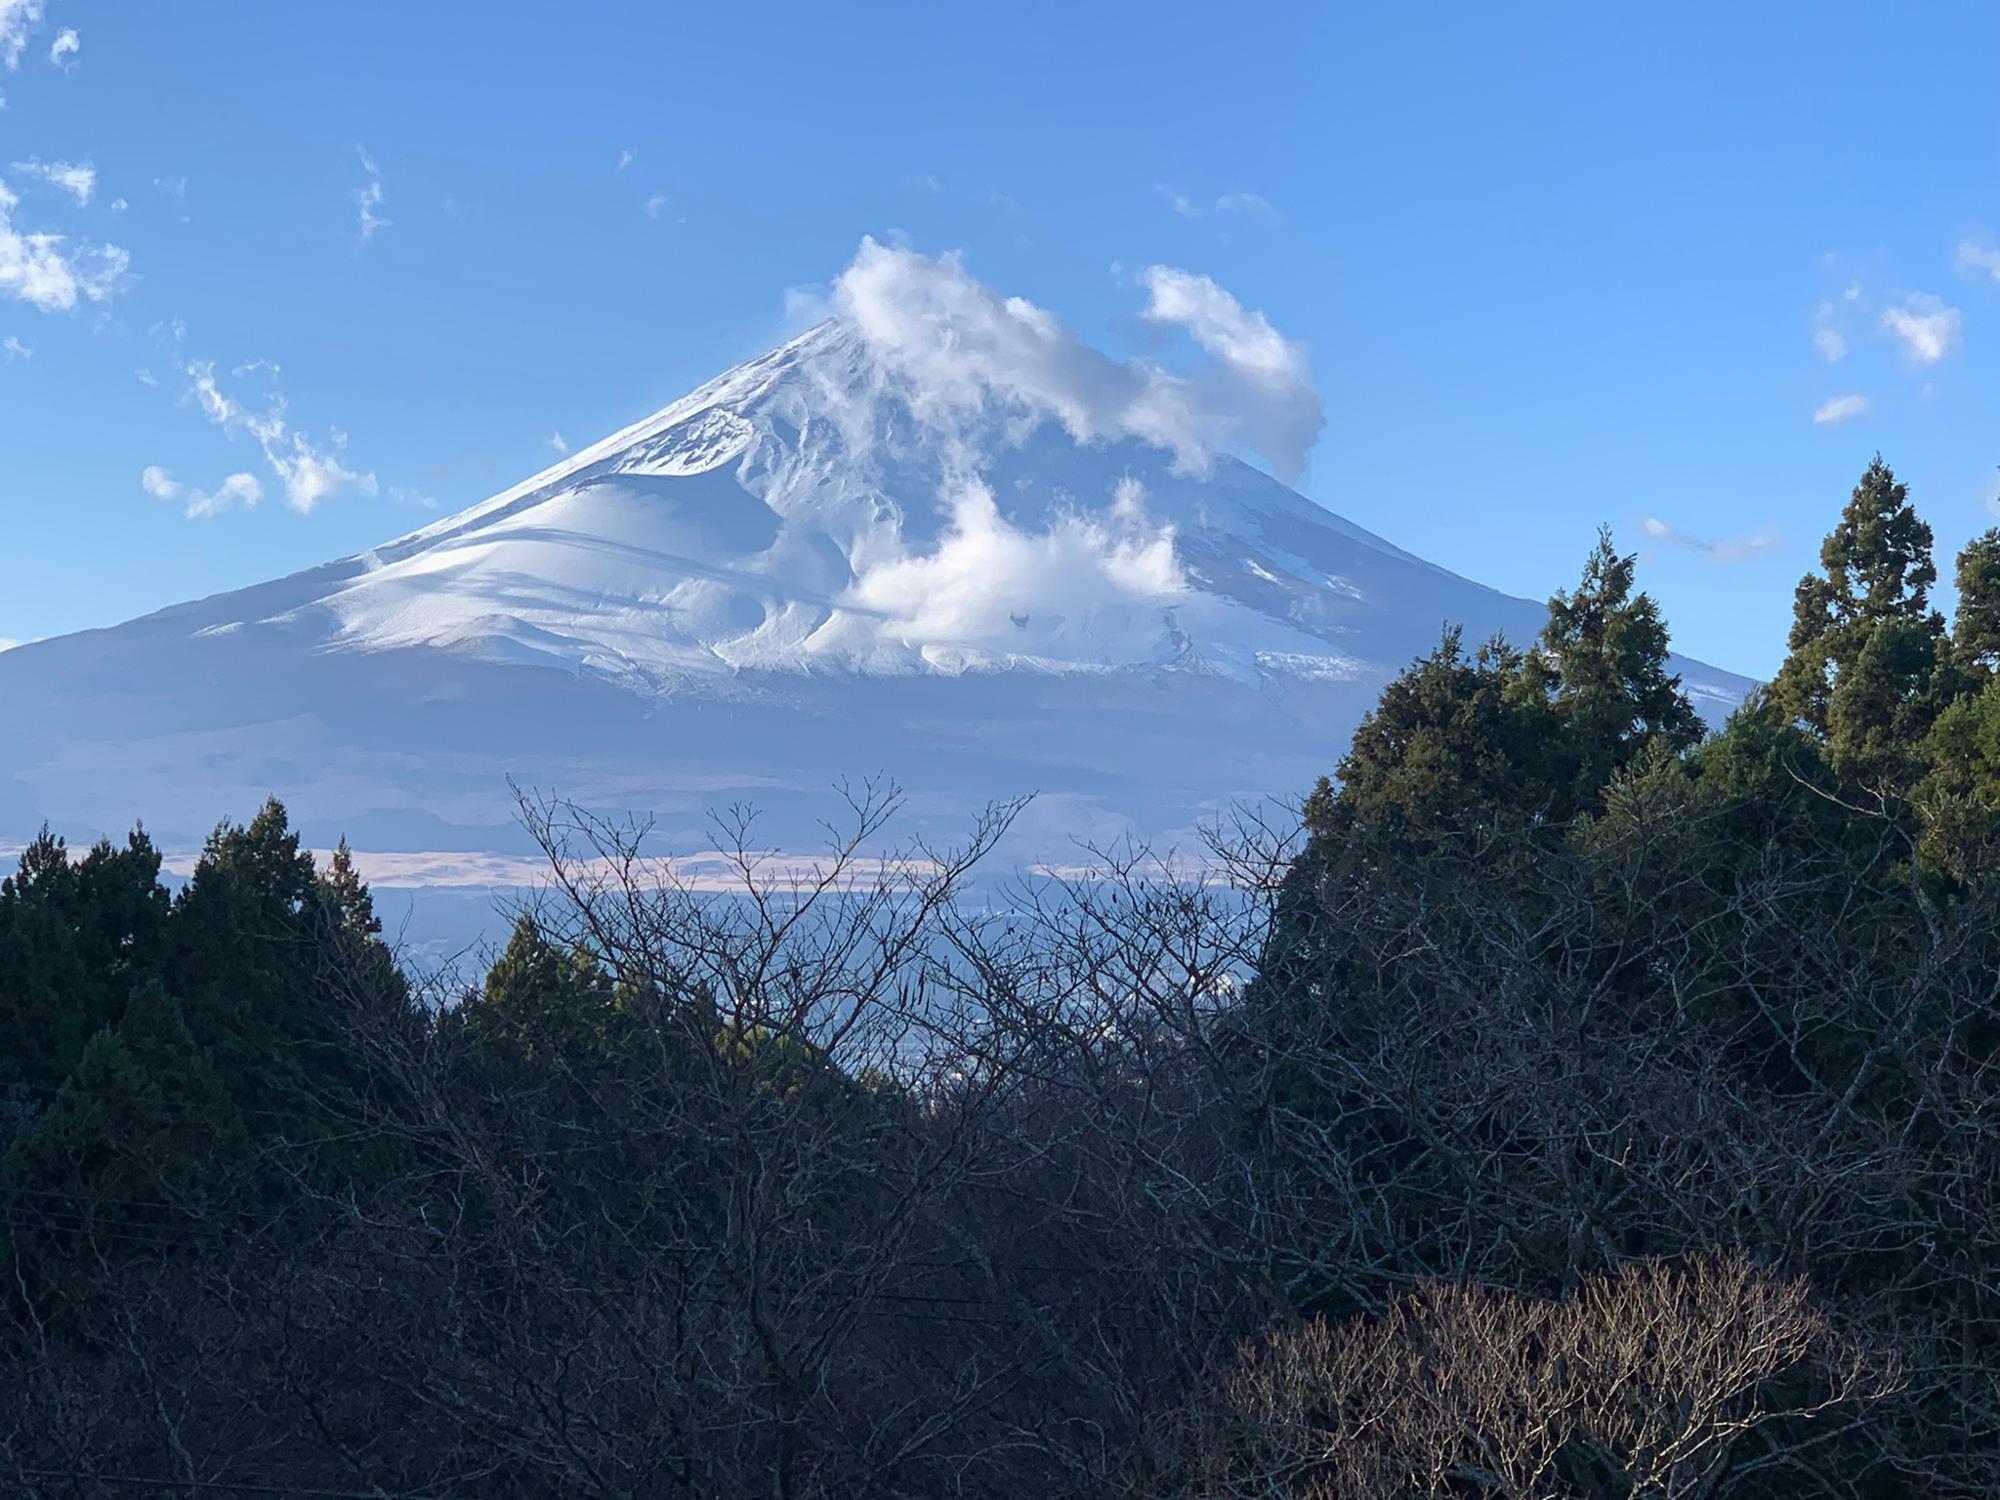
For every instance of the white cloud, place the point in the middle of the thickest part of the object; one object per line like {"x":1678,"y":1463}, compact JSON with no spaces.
{"x":1228,"y":203}
{"x":1266,"y":375}
{"x":656,"y":205}
{"x":954,"y":345}
{"x":78,"y":179}
{"x":558,"y":442}
{"x":924,"y":182}
{"x":18,"y":20}
{"x":368,"y":198}
{"x":145,"y":377}
{"x":1245,"y":203}
{"x":309,"y":472}
{"x":625,"y":159}
{"x":38,"y":268}
{"x":1978,"y":257}
{"x":1827,"y":338}
{"x":237,"y":490}
{"x":1722,"y":549}
{"x":990,"y":584}
{"x":1839,"y":409}
{"x":1927,"y":329}
{"x":12,"y":349}
{"x":804,"y":307}
{"x":67,"y":44}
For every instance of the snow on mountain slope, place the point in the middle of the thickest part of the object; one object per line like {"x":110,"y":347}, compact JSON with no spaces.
{"x":935,"y":536}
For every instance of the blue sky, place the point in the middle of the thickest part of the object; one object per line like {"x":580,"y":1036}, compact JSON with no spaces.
{"x":1579,"y":265}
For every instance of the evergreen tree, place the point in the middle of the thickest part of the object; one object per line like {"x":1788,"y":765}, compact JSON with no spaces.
{"x":1601,"y":665}
{"x":74,"y":937}
{"x":545,"y":1005}
{"x":1865,"y":644}
{"x":138,"y":1120}
{"x":367,"y":970}
{"x":1447,"y":743}
{"x":1976,"y":626}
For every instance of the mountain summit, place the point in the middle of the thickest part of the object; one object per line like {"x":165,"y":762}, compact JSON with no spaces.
{"x":874,"y":549}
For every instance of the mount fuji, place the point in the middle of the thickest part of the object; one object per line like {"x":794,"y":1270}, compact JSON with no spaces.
{"x":942,"y":540}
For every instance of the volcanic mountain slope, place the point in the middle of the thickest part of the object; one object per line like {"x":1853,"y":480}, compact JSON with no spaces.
{"x":816,"y":567}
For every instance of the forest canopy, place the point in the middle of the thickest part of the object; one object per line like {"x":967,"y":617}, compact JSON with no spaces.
{"x":1573,"y":1100}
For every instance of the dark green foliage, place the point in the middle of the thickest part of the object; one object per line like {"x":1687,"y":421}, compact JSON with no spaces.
{"x":545,"y":1008}
{"x":1975,"y":628}
{"x":75,"y":935}
{"x":1866,"y":646}
{"x":1601,"y":666}
{"x":1513,"y":736}
{"x":139,"y":1119}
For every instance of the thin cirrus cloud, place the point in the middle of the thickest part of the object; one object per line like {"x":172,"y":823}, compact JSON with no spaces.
{"x":1838,"y":409}
{"x":954,"y":344}
{"x":368,"y":199}
{"x":1733,"y":549}
{"x":1924,"y":325}
{"x":1228,"y":203}
{"x":12,"y":349}
{"x":66,"y":46}
{"x":41,"y":268}
{"x":309,"y":471}
{"x":1827,"y":337}
{"x":77,"y":178}
{"x":1978,"y":257}
{"x":237,"y":491}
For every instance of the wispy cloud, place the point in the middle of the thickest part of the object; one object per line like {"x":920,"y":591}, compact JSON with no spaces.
{"x":18,"y":20}
{"x":77,"y":178}
{"x":1978,"y":256}
{"x":656,"y":205}
{"x":309,"y":471}
{"x":66,"y":46}
{"x":12,"y":349}
{"x":1229,"y":203}
{"x":1927,"y":329}
{"x":924,"y":182}
{"x":237,"y":491}
{"x":40,"y":267}
{"x":1245,"y":203}
{"x":368,"y":198}
{"x":625,"y":159}
{"x":1827,"y":337}
{"x":1733,"y":549}
{"x":1838,"y":409}
{"x":558,"y":442}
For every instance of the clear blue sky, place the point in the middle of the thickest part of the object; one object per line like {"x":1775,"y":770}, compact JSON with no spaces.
{"x":1555,"y":265}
